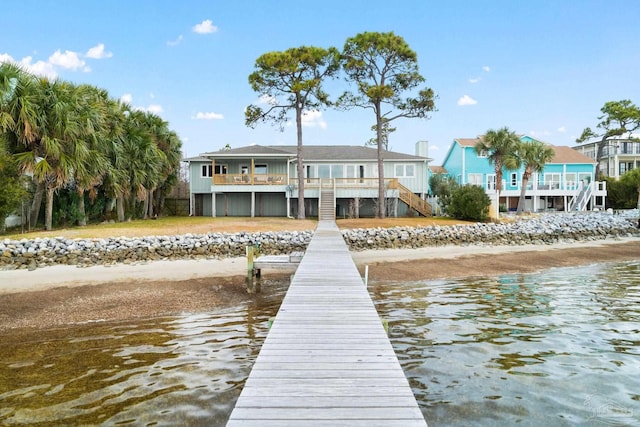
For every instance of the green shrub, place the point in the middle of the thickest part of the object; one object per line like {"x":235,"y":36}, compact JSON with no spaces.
{"x":469,"y":202}
{"x":442,"y":186}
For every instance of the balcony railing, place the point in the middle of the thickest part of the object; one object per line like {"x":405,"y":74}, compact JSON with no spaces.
{"x":246,"y":179}
{"x":281,"y":179}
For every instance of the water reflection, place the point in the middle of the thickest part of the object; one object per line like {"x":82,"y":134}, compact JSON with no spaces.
{"x":552,"y":348}
{"x":185,"y":370}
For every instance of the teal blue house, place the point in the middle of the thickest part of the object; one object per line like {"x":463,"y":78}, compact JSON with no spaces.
{"x":565,"y":184}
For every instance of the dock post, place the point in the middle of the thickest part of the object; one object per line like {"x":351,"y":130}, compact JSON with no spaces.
{"x":250,"y":270}
{"x":366,"y":276}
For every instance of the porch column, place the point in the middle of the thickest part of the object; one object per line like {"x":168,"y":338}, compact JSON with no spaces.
{"x":253,"y":204}
{"x":192,"y":201}
{"x":213,"y":205}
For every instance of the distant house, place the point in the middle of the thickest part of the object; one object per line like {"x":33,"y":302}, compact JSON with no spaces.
{"x":619,"y":154}
{"x":262,"y":181}
{"x":565,"y":184}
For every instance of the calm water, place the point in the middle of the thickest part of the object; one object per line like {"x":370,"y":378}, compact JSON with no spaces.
{"x":551,"y":349}
{"x":178,"y":371}
{"x":557,"y":348}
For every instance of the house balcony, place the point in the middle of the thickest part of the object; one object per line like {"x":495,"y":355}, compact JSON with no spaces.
{"x":246,"y":179}
{"x":599,"y":188}
{"x":242,"y":180}
{"x":271,"y":183}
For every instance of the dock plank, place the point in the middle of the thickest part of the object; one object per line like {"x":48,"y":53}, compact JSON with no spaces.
{"x":327,"y":359}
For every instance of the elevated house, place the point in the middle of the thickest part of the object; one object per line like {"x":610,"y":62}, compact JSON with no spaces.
{"x":340,"y":181}
{"x":619,"y":154}
{"x":566,"y":183}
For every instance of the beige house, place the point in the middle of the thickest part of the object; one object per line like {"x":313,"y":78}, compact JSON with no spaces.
{"x":260,"y":180}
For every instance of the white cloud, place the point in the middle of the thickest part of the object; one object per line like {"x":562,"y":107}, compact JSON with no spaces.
{"x":127,"y":97}
{"x":313,"y":118}
{"x":176,"y":41}
{"x":154,"y":108}
{"x":475,"y":80}
{"x":39,"y":68}
{"x":208,"y":116}
{"x":205,"y":27}
{"x":467,"y":100}
{"x":486,"y":68}
{"x":5,"y":57}
{"x":69,"y":60}
{"x":562,"y":129}
{"x":98,"y":52}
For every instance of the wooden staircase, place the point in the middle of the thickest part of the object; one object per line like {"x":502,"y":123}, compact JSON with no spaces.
{"x":327,"y":202}
{"x":414,"y":202}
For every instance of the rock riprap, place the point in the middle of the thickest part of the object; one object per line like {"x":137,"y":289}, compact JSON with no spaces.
{"x":542,"y":229}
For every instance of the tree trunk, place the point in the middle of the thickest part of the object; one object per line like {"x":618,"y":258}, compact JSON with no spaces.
{"x":301,"y":209}
{"x":381,"y":190}
{"x":498,"y":176}
{"x":599,"y":149}
{"x":150,"y":203}
{"x":145,"y":205}
{"x":48,"y":218}
{"x":159,"y":200}
{"x":82,"y":220}
{"x":35,"y":205}
{"x":523,"y":190}
{"x":120,"y":207}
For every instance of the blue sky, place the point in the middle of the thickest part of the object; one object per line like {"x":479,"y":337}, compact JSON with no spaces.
{"x":543,"y":68}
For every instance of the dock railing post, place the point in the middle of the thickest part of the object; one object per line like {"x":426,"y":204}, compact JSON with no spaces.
{"x":252,"y":273}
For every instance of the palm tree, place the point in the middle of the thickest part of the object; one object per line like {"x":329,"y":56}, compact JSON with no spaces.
{"x":19,"y":115}
{"x":533,"y":156}
{"x":497,"y":145}
{"x":92,"y":116}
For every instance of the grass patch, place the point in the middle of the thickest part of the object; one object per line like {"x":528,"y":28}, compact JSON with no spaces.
{"x":202,"y":225}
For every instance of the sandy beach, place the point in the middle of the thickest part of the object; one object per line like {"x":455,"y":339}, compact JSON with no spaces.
{"x":59,"y":295}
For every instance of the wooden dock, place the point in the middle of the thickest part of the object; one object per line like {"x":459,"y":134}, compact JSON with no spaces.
{"x":327,"y":360}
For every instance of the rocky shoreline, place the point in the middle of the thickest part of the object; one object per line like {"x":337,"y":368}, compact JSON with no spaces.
{"x":536,"y":230}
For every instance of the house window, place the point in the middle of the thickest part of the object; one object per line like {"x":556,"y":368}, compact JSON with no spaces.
{"x":570,"y":179}
{"x":354,"y":171}
{"x":244,"y":170}
{"x":625,"y":166}
{"x":475,"y":179}
{"x":337,"y":171}
{"x":220,"y":169}
{"x":552,"y":180}
{"x":206,"y":171}
{"x":514,"y":179}
{"x":260,"y":169}
{"x":405,"y":171}
{"x":585,"y":178}
{"x":324,"y":171}
{"x":483,"y":154}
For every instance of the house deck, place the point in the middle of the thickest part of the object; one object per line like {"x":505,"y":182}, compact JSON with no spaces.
{"x":327,"y":359}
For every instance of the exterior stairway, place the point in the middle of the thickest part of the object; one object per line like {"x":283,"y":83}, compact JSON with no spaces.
{"x":327,"y":205}
{"x":414,"y":202}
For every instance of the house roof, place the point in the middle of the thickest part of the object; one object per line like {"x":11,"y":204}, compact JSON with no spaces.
{"x":314,"y":152}
{"x":467,"y":142}
{"x":565,"y":154}
{"x":251,"y":150}
{"x":196,"y":159}
{"x":437,"y":169}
